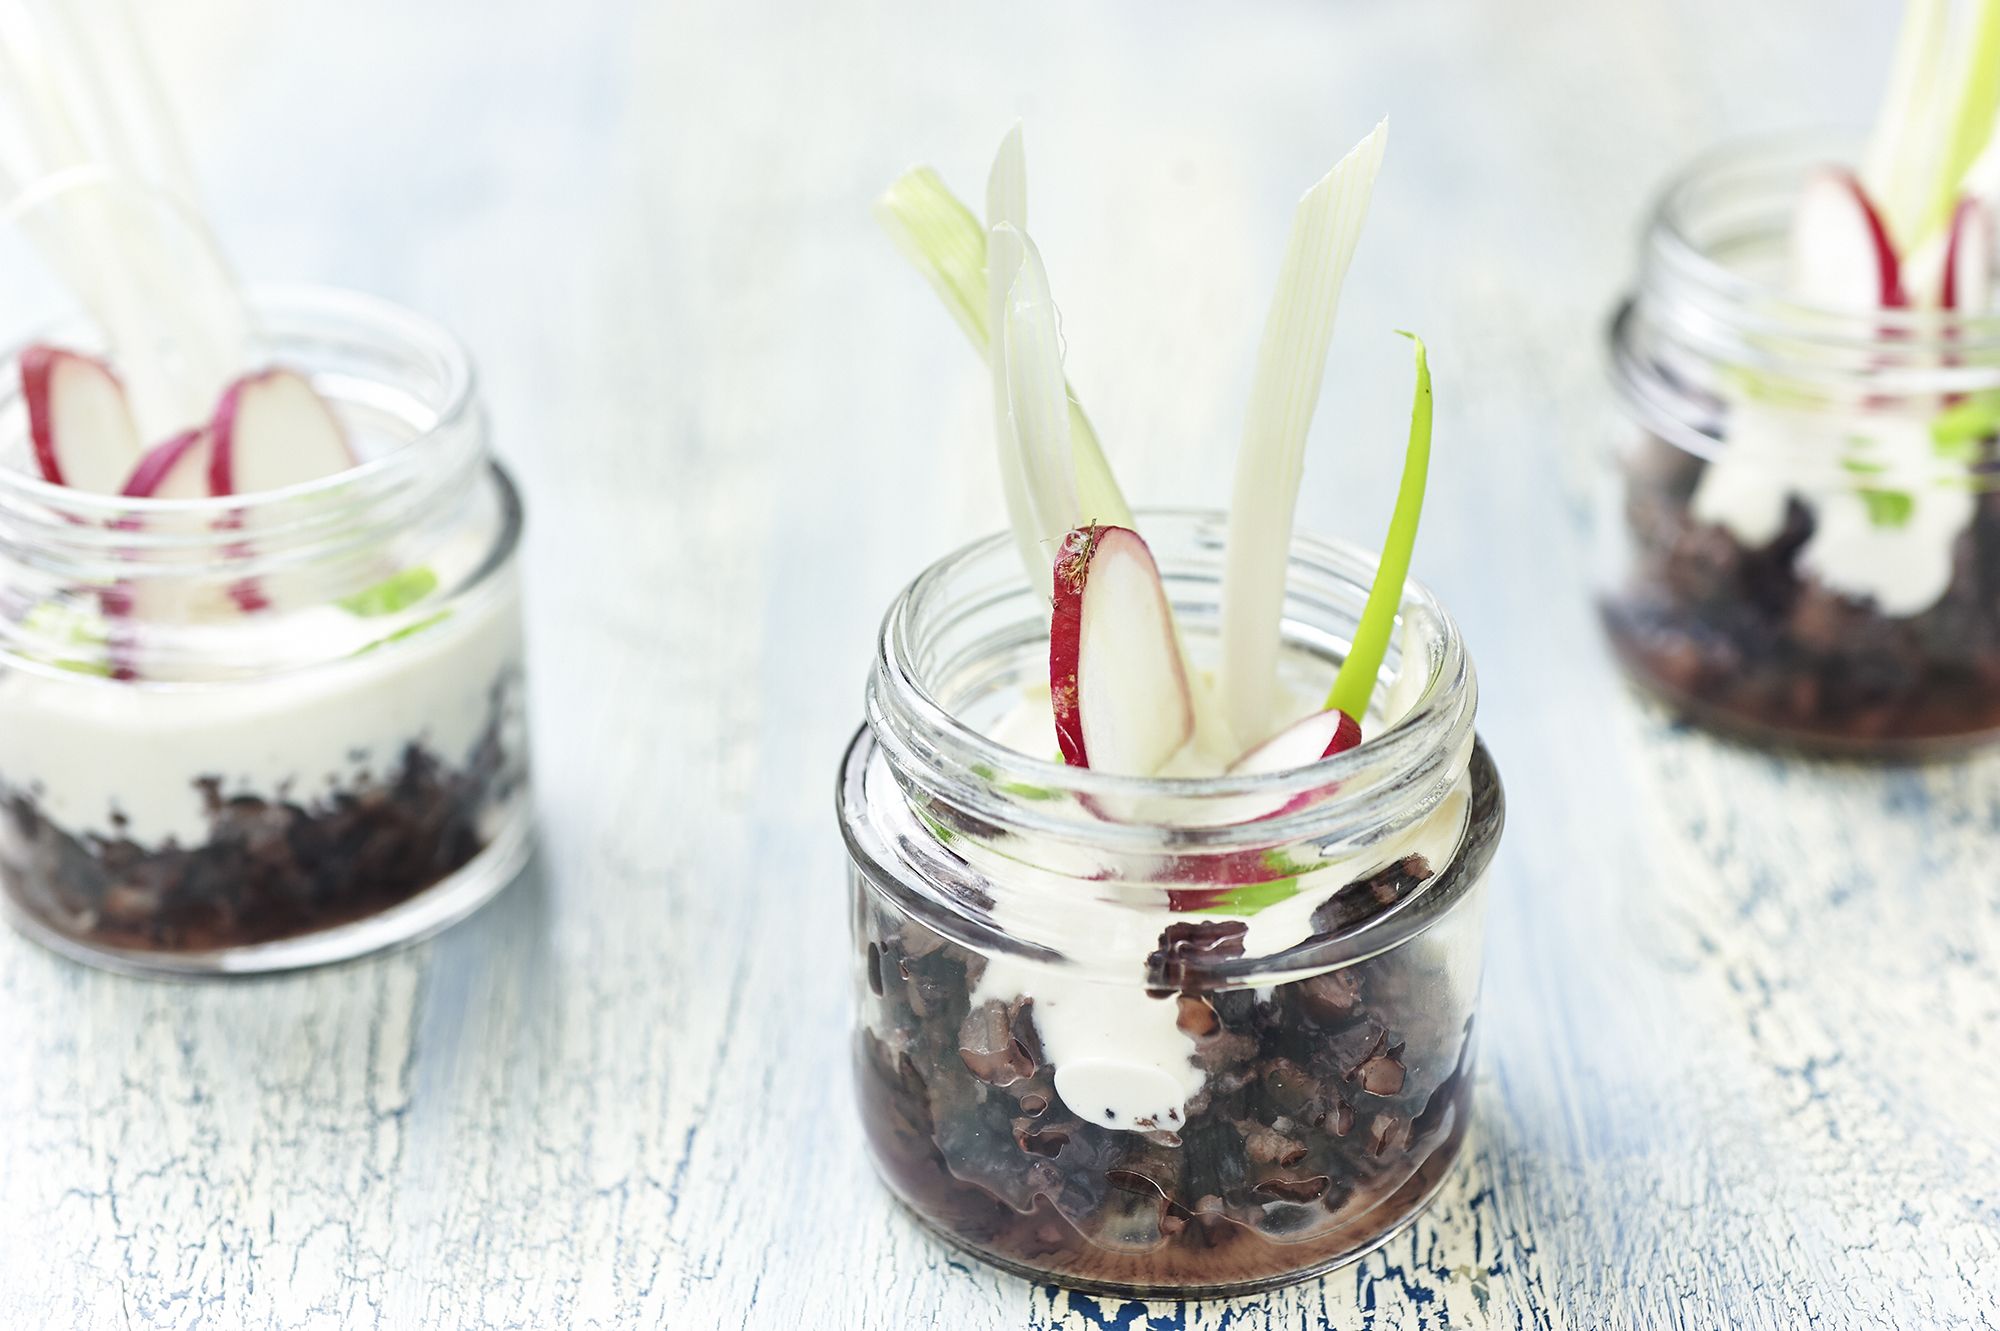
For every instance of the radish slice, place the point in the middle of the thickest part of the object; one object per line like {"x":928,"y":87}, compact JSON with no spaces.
{"x":1119,"y":689}
{"x":273,"y":429}
{"x":1841,"y":256}
{"x":1968,"y":259}
{"x":1304,"y":742}
{"x":79,"y":420}
{"x":176,"y":469}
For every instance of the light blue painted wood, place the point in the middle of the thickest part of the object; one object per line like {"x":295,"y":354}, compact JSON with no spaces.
{"x":1741,"y":1018}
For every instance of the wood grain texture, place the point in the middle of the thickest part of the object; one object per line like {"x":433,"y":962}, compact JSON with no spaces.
{"x":1742,"y":1024}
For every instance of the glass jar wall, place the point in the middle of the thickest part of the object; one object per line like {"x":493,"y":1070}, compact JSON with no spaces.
{"x":1162,"y":1036}
{"x":269,"y":730}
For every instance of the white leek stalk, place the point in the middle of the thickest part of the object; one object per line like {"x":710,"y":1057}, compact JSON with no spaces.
{"x":1291,"y":365}
{"x":1897,"y":166}
{"x":92,"y":171}
{"x":1032,"y":402}
{"x":944,"y":241}
{"x":1006,"y":251}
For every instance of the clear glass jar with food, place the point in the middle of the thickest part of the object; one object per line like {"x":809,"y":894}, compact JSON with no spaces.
{"x":1802,"y":536}
{"x":1167,"y":860}
{"x":1158,"y":1035}
{"x":260,"y":682}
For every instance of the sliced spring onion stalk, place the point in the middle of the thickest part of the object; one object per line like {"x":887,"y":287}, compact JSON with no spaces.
{"x":1291,"y":365}
{"x":1007,"y":206}
{"x":1036,"y":405}
{"x":1969,"y":121}
{"x":1355,"y":684}
{"x":102,"y":187}
{"x":1091,"y":488}
{"x":1895,"y":166}
{"x":944,"y":241}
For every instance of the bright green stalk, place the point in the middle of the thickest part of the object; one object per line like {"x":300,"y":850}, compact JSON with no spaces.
{"x":944,"y":241}
{"x":1356,"y":681}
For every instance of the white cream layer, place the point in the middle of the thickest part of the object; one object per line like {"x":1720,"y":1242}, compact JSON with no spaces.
{"x":1903,"y":567}
{"x":1120,"y":1056}
{"x":89,"y":748}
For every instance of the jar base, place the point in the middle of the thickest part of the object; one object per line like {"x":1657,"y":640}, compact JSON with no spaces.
{"x":431,"y":911}
{"x":1412,"y":1203}
{"x":1926,"y":741}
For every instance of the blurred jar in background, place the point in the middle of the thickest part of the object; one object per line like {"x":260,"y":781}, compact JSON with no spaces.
{"x":1800,"y":535}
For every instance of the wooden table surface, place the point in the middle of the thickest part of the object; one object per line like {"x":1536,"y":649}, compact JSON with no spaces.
{"x":1742,"y":1018}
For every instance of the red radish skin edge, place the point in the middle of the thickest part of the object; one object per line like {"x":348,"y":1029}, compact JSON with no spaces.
{"x":220,"y":481}
{"x":1967,"y":215}
{"x":158,"y":462}
{"x":37,"y":364}
{"x":223,"y":468}
{"x":1893,"y":295}
{"x":1072,"y":569}
{"x":1346,"y":737}
{"x":1246,"y":868}
{"x":1889,"y":268}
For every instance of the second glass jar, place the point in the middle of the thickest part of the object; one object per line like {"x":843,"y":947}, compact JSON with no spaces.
{"x":1162,"y":1037}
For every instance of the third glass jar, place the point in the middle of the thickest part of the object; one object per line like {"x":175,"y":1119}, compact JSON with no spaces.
{"x":1801,"y":539}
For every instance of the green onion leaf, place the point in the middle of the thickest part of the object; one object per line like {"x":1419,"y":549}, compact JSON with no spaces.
{"x":1251,"y":898}
{"x":1888,"y":508}
{"x":407,"y":631}
{"x":393,"y":594}
{"x":1356,"y":682}
{"x":944,"y":241}
{"x":1957,"y":434}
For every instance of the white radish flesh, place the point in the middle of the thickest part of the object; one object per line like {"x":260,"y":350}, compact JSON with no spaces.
{"x":1117,"y":684}
{"x":79,"y":420}
{"x":1968,"y":260}
{"x":176,"y":469}
{"x":1840,"y":253}
{"x":1301,"y":744}
{"x":273,"y":429}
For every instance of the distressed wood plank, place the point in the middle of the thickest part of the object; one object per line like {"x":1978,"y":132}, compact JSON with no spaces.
{"x":1741,"y":1017}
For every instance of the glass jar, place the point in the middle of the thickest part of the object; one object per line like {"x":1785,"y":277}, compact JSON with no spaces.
{"x":271,"y":730}
{"x":1162,"y":1037}
{"x":1801,"y":539}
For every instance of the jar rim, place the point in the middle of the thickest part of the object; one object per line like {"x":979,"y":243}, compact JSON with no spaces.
{"x":949,"y":913}
{"x":301,"y":303}
{"x":437,"y":420}
{"x":922,"y":735}
{"x":1676,"y":260}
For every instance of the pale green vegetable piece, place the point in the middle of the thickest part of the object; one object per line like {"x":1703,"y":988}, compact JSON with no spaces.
{"x":944,"y":241}
{"x":1007,"y":206}
{"x":1036,"y":409}
{"x":1896,"y":167}
{"x":1355,"y":684}
{"x":1974,"y":105}
{"x":1291,"y":365}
